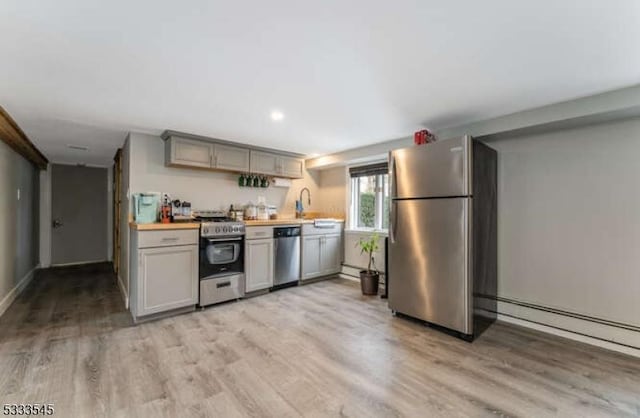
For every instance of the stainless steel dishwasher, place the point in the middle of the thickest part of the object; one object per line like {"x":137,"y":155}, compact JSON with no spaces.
{"x":286,"y":241}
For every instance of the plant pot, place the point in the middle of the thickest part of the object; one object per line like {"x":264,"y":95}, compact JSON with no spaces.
{"x":369,"y":282}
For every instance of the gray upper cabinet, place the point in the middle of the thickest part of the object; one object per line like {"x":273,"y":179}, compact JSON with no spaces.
{"x":230,"y":158}
{"x":216,"y":154}
{"x":276,"y":165}
{"x":292,"y":167}
{"x":186,"y":152}
{"x":264,"y":163}
{"x":183,"y":152}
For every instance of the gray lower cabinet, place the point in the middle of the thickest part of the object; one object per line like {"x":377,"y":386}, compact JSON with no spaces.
{"x":258,"y":264}
{"x":331,"y":254}
{"x":311,"y":258}
{"x":164,"y":272}
{"x":321,"y":255}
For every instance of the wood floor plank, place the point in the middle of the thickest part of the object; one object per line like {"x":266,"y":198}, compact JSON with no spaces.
{"x":317,"y":350}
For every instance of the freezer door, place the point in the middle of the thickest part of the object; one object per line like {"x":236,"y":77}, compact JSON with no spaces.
{"x":440,"y":169}
{"x":429,"y":261}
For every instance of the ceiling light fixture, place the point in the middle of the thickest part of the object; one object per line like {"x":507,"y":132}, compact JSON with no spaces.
{"x":277,"y":115}
{"x":78,"y":147}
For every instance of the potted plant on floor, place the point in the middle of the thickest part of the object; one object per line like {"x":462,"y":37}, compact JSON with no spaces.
{"x":369,"y":278}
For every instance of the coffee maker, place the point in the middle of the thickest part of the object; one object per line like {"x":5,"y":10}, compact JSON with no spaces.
{"x":146,"y":207}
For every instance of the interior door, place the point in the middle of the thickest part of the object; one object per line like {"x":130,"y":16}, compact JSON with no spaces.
{"x":428,"y":266}
{"x":79,"y":214}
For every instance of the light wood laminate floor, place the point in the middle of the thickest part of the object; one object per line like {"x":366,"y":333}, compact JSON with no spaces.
{"x":315,"y":350}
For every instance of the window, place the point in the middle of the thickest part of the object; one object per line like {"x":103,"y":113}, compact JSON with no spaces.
{"x":370,"y":196}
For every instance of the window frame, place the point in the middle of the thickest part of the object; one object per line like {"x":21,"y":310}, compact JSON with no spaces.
{"x":379,"y":209}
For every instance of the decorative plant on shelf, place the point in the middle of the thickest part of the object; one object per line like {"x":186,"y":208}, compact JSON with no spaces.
{"x":369,"y":278}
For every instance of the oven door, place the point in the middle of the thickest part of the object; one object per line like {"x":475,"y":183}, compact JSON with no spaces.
{"x":219,"y":256}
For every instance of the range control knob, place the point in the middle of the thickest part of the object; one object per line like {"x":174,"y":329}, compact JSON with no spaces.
{"x":217,"y":229}
{"x":224,"y":229}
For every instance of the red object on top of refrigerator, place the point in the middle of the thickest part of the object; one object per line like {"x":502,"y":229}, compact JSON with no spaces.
{"x":423,"y":137}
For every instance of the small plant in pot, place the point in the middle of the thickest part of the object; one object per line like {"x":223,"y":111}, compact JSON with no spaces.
{"x":369,"y":278}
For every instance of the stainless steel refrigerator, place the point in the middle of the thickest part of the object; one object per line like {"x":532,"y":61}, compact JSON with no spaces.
{"x":442,"y":234}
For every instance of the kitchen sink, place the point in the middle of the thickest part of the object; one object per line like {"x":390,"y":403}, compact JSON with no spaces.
{"x":324,"y":222}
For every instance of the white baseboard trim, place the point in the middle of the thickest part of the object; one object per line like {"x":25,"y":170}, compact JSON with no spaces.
{"x":18,"y":288}
{"x":79,"y":263}
{"x":611,"y":336}
{"x":348,"y":277}
{"x":123,"y":292}
{"x":350,"y":273}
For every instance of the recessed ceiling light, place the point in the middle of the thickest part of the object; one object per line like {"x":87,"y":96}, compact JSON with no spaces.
{"x":277,"y":115}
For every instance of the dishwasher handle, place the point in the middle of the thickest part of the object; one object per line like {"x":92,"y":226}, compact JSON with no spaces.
{"x":286,"y":232}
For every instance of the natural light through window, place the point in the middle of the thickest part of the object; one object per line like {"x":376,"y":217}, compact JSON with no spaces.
{"x":369,"y":197}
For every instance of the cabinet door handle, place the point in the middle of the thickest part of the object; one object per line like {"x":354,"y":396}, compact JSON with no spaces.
{"x":224,"y":284}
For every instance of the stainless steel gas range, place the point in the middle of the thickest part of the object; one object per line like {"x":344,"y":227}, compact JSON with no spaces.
{"x":221,"y":269}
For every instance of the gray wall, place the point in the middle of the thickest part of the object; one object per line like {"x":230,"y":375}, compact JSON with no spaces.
{"x":569,"y":229}
{"x":18,"y":219}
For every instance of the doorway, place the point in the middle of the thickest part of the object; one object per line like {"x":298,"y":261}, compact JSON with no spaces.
{"x":79,"y":211}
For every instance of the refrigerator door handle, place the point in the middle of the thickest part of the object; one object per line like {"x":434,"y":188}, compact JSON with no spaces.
{"x":392,"y":221}
{"x":392,"y":208}
{"x":392,"y":172}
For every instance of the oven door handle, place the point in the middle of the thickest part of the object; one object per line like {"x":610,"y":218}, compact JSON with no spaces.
{"x":236,"y":252}
{"x":224,"y":239}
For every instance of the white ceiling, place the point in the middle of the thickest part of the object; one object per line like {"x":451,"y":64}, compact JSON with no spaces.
{"x":344,"y":73}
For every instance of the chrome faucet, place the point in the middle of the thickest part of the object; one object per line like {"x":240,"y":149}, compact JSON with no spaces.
{"x":300,"y":213}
